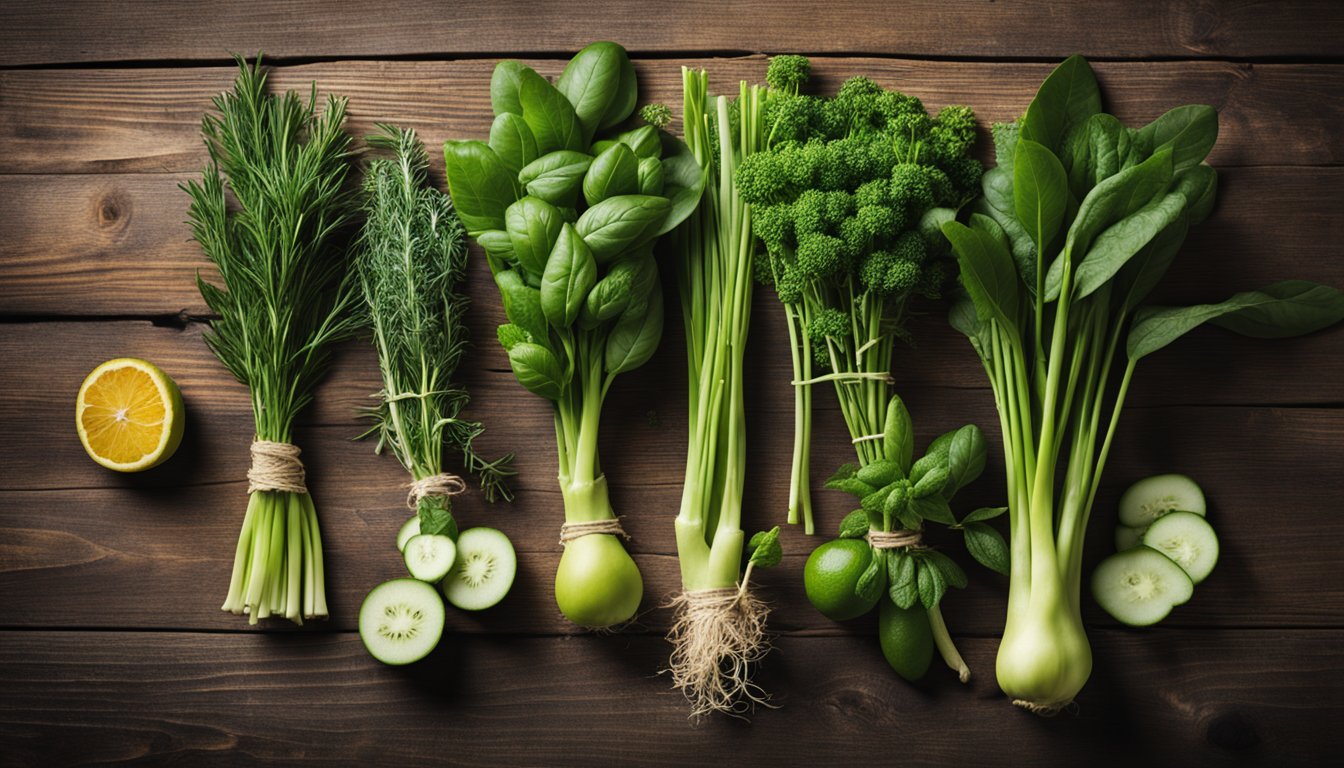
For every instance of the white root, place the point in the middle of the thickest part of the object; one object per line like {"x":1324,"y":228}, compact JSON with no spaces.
{"x":718,"y":635}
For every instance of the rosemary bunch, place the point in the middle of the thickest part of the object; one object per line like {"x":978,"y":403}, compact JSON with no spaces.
{"x":278,"y":239}
{"x":411,"y":258}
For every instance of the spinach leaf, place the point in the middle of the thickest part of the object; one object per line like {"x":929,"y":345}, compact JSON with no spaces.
{"x":644,"y":141}
{"x":505,"y":83}
{"x":571,"y":272}
{"x":522,"y":305}
{"x":537,"y":369}
{"x":1114,"y":247}
{"x":550,"y":116}
{"x":614,"y":172}
{"x":1142,"y":273}
{"x":498,"y":248}
{"x":1066,"y":98}
{"x":599,"y":83}
{"x":615,"y":226}
{"x":1290,"y":308}
{"x":628,"y":280}
{"x":683,"y":181}
{"x":533,"y":226}
{"x":480,"y":183}
{"x":636,"y":334}
{"x":556,"y":177}
{"x":987,"y":272}
{"x":650,"y":176}
{"x":1189,"y":132}
{"x":1040,"y":192}
{"x":997,"y":202}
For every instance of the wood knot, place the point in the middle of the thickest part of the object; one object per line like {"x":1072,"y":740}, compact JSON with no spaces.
{"x":1233,"y":732}
{"x":112,"y":211}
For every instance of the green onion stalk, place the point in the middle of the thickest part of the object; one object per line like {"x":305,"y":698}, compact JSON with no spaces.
{"x":719,"y":632}
{"x":280,"y":246}
{"x":1076,"y":226}
{"x":411,"y":260}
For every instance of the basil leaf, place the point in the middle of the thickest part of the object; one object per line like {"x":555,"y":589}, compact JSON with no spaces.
{"x":855,"y":525}
{"x":897,"y":498}
{"x":480,"y":184}
{"x":614,"y":172}
{"x":851,"y":485}
{"x":1067,"y":98}
{"x":931,"y":483}
{"x":987,"y":547}
{"x":556,"y":177}
{"x":533,"y":226}
{"x":636,"y":334}
{"x":874,"y":577}
{"x":644,"y":141}
{"x":549,"y":114}
{"x":1040,"y":191}
{"x":512,"y":141}
{"x":982,"y":514}
{"x":898,"y":437}
{"x":879,"y":473}
{"x":504,"y":86}
{"x":498,"y":248}
{"x":1290,"y":308}
{"x":617,"y":225}
{"x":650,"y":176}
{"x":626,"y":281}
{"x":765,"y":549}
{"x":435,"y":519}
{"x":599,"y":83}
{"x":933,"y":508}
{"x":965,"y":458}
{"x":537,"y":369}
{"x":571,"y":272}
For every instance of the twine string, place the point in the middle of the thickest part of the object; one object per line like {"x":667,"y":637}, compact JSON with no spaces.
{"x":275,"y":467}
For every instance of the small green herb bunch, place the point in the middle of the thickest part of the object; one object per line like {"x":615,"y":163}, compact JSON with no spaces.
{"x":898,"y":496}
{"x":847,"y":200}
{"x":567,"y":199}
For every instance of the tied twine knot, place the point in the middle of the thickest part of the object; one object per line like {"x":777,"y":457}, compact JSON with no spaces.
{"x":275,"y":467}
{"x":894,"y":539}
{"x":443,"y":484}
{"x":571,"y":531}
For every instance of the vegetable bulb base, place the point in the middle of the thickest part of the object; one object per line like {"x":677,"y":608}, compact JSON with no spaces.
{"x":1044,"y":659}
{"x":597,"y":584}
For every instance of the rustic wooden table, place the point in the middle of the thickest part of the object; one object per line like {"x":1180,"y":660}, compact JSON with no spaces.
{"x":112,"y":646}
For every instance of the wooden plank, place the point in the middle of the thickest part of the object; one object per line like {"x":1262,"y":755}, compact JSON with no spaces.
{"x":117,"y":244}
{"x":148,"y":120}
{"x":1214,"y":699}
{"x":88,"y":31}
{"x":118,"y":548}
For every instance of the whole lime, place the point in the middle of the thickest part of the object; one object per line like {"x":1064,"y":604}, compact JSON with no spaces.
{"x":907,"y":638}
{"x":832,"y":571}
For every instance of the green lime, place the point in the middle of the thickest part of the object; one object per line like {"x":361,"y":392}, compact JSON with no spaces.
{"x":907,"y":638}
{"x":830,"y":575}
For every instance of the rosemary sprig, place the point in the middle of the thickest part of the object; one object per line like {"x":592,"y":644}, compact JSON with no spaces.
{"x":278,"y":237}
{"x":412,"y":256}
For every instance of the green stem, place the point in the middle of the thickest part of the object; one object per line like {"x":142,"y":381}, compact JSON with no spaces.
{"x":946,"y":648}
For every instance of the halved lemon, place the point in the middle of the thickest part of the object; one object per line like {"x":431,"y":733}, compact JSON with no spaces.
{"x":129,"y":415}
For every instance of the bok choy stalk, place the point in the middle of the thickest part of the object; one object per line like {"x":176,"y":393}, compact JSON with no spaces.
{"x":281,"y":251}
{"x":567,"y":207}
{"x":412,"y":256}
{"x":1076,"y":226}
{"x":719,"y":631}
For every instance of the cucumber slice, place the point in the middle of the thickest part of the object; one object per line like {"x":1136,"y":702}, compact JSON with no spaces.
{"x":401,"y":621}
{"x":1127,"y":538}
{"x":1188,"y":540}
{"x":1141,"y":586}
{"x":408,"y":529}
{"x":484,"y":571}
{"x":1155,"y":496}
{"x":429,"y":556}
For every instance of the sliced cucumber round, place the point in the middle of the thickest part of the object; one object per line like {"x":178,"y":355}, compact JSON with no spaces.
{"x":484,"y":570}
{"x":1141,"y":586}
{"x":429,"y":556}
{"x":408,"y":529}
{"x":1188,"y":540}
{"x":401,"y":621}
{"x":1155,"y":496}
{"x":1127,"y":538}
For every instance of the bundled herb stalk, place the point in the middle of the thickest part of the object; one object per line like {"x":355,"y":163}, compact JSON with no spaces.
{"x":567,"y":207}
{"x":412,"y":255}
{"x":281,"y":251}
{"x":719,"y":631}
{"x":847,"y":196}
{"x":1078,"y":223}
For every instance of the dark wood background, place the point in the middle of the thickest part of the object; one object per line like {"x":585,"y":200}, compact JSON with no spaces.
{"x":112,"y":647}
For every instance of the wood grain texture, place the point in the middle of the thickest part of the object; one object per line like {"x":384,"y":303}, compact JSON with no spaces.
{"x":87,"y":30}
{"x":148,"y":120}
{"x":119,"y":244}
{"x":1214,"y":699}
